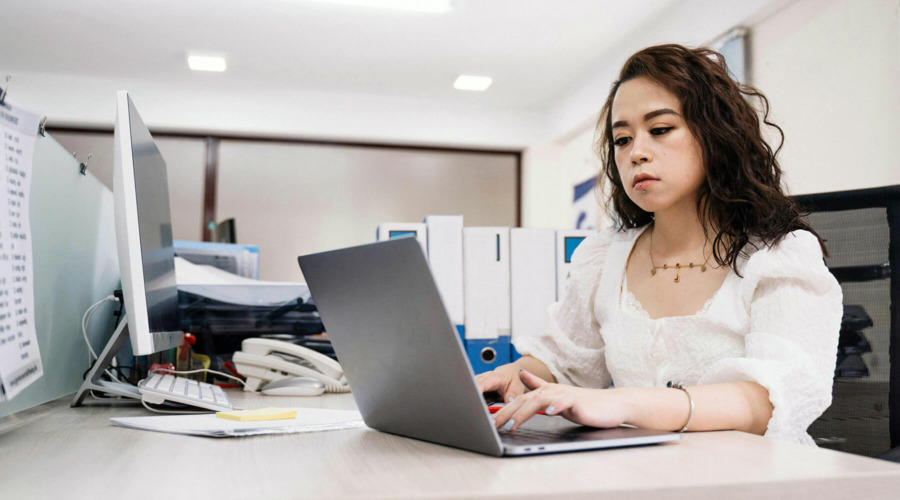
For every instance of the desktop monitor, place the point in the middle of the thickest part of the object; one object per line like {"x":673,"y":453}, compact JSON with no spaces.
{"x":225,"y":232}
{"x":146,"y":253}
{"x":144,"y":234}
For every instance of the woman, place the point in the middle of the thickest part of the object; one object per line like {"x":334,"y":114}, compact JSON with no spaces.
{"x":709,"y":307}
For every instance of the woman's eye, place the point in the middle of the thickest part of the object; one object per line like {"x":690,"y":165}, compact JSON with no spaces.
{"x":660,"y":130}
{"x":621,"y":141}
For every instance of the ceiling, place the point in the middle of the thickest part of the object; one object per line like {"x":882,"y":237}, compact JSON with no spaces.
{"x":533,"y":49}
{"x":304,"y":69}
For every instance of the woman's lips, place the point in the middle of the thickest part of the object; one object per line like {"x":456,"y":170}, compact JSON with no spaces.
{"x":645,"y":183}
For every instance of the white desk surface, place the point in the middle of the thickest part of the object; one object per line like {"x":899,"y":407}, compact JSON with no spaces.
{"x":54,"y":451}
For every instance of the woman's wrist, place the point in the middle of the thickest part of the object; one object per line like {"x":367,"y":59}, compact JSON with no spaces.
{"x":508,"y":368}
{"x":534,"y":366}
{"x":624,"y":402}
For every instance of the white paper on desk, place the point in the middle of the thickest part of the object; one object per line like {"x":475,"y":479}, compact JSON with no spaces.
{"x":307,"y":420}
{"x":20,"y":358}
{"x":216,"y":284}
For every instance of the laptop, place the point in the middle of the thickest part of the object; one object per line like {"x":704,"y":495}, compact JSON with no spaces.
{"x":406,"y":364}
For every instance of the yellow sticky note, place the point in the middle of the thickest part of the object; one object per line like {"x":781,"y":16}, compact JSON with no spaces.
{"x":260,"y":414}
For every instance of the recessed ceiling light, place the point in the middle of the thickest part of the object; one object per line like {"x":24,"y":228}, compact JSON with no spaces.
{"x":206,"y":63}
{"x":436,"y":6}
{"x":470,"y":82}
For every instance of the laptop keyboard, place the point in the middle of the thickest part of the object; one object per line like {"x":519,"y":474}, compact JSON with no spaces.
{"x":534,"y":436}
{"x":531,"y":436}
{"x":525,"y":436}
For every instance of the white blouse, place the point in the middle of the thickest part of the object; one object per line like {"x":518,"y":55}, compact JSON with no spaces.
{"x":778,"y":325}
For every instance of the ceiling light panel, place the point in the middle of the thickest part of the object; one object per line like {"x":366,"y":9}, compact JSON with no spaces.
{"x":435,"y":6}
{"x":472,"y":82}
{"x":206,"y":63}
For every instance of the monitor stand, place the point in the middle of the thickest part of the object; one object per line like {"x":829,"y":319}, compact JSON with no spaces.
{"x":94,"y":382}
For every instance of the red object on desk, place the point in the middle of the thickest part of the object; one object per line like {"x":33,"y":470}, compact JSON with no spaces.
{"x":496,"y":408}
{"x":162,"y":367}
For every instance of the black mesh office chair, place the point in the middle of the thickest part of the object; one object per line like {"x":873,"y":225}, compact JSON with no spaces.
{"x":862,"y":232}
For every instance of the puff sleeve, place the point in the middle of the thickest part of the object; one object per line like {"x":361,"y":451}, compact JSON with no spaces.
{"x":571,"y":345}
{"x":794,"y":307}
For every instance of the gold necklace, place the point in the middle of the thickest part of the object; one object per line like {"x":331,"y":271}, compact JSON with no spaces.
{"x":677,"y":267}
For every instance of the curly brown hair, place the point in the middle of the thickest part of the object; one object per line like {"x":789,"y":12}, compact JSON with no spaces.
{"x":742,"y":198}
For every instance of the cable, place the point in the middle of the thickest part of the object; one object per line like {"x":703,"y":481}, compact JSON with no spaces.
{"x":93,"y":357}
{"x":118,"y":314}
{"x":85,"y":321}
{"x":174,"y":412}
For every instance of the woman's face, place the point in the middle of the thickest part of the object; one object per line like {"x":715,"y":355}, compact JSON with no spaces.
{"x":658,"y":159}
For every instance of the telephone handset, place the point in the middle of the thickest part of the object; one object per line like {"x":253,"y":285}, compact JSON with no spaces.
{"x":265,"y":360}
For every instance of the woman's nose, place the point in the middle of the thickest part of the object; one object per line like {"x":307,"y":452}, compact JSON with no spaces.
{"x":640,"y":152}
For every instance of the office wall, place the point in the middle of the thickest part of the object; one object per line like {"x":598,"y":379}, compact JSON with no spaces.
{"x":544,"y":187}
{"x":830,"y":69}
{"x":583,"y":164}
{"x":293,"y":199}
{"x":689,"y":22}
{"x":550,"y":173}
{"x":185,"y":167}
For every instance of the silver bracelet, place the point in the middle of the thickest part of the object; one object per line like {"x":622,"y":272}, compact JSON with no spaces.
{"x":680,"y":385}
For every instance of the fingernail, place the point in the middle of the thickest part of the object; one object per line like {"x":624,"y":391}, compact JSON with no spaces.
{"x":509,"y":425}
{"x":550,"y":410}
{"x":510,"y":399}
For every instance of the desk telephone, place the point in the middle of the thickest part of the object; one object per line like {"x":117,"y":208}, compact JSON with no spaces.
{"x":265,"y":360}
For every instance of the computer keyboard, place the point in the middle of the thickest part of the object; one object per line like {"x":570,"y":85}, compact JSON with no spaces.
{"x":537,"y":436}
{"x":531,"y":436}
{"x":158,"y":388}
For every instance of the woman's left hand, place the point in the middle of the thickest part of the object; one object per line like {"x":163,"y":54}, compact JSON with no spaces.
{"x":591,"y":407}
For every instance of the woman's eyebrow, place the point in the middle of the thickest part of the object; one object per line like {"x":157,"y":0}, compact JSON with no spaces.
{"x":649,"y":116}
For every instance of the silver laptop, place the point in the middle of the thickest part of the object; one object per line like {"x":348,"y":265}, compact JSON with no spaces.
{"x":406,"y":365}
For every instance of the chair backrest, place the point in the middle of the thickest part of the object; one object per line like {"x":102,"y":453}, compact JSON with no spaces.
{"x":861,"y":230}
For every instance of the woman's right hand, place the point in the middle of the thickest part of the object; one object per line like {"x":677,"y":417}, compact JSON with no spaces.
{"x":504,"y":380}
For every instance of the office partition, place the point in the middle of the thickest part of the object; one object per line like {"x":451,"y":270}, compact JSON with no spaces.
{"x":184,"y":157}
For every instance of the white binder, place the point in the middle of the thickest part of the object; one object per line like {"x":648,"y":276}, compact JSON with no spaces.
{"x":486,"y":285}
{"x":445,"y":257}
{"x":532,"y":280}
{"x":391,"y":230}
{"x":567,"y":240}
{"x":486,"y":282}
